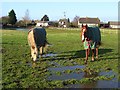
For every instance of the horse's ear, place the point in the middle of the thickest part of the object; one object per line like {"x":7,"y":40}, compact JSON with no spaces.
{"x":86,"y":25}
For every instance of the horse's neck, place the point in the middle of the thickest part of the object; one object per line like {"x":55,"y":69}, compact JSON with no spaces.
{"x":85,"y":34}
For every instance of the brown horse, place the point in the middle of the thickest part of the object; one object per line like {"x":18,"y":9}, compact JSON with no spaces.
{"x":91,"y":39}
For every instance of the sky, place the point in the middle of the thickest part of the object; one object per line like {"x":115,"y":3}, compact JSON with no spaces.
{"x":105,"y":11}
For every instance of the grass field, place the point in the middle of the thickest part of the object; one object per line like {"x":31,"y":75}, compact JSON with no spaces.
{"x":65,"y":69}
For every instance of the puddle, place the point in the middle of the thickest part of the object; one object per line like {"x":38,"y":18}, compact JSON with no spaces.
{"x":112,"y":83}
{"x":97,"y":84}
{"x":66,"y":68}
{"x":65,"y":76}
{"x":49,"y":55}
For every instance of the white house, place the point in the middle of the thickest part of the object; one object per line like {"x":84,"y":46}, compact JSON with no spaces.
{"x":114,"y":24}
{"x":63,"y":23}
{"x":42,"y":23}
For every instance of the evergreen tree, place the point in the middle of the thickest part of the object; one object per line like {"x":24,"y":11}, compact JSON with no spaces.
{"x":12,"y":17}
{"x":45,"y":18}
{"x":68,"y":20}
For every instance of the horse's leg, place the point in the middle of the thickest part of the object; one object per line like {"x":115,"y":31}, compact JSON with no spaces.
{"x":41,"y":51}
{"x":32,"y":52}
{"x":35,"y":53}
{"x":45,"y":49}
{"x":87,"y":50}
{"x":93,"y":51}
{"x":96,"y":53}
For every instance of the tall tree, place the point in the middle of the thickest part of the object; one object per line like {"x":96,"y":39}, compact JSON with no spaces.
{"x":45,"y":18}
{"x":12,"y":17}
{"x":26,"y":18}
{"x":68,"y":20}
{"x":75,"y":21}
{"x":76,"y":18}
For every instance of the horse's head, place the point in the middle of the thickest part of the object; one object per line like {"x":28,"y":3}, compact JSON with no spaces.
{"x":84,"y":28}
{"x":83,"y":31}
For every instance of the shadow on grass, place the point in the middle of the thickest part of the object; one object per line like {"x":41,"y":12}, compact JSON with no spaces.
{"x":76,"y":54}
{"x":81,"y":53}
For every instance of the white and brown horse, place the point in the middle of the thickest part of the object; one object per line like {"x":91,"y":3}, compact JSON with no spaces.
{"x":91,"y":39}
{"x":37,"y":41}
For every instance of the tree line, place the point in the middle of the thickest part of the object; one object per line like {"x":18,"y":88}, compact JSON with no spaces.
{"x":11,"y":20}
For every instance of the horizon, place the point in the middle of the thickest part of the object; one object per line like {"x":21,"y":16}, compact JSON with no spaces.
{"x":105,"y":11}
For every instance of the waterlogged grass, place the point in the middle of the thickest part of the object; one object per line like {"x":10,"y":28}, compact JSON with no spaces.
{"x":18,"y":70}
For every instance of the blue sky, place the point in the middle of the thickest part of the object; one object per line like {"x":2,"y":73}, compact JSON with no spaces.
{"x":105,"y":11}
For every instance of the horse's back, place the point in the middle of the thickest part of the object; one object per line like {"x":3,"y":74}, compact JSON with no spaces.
{"x":39,"y":36}
{"x":94,"y":34}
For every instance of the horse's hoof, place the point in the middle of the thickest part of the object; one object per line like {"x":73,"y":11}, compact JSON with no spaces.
{"x":92,"y":60}
{"x":85,"y":62}
{"x":34,"y":61}
{"x":96,"y":57}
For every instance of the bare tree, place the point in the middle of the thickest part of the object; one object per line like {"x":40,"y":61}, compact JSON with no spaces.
{"x":76,"y":18}
{"x":75,"y":21}
{"x":26,"y":18}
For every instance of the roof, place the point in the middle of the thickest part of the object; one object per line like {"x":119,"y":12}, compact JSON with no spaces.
{"x":63,"y":20}
{"x":89,"y":20}
{"x":114,"y":23}
{"x":43,"y":21}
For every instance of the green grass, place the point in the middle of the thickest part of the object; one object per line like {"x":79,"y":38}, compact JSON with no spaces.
{"x":18,"y":70}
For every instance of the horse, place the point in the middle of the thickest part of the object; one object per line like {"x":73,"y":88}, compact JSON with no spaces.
{"x":91,"y":38}
{"x":37,"y":41}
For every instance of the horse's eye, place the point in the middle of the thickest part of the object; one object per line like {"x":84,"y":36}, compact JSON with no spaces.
{"x":34,"y":52}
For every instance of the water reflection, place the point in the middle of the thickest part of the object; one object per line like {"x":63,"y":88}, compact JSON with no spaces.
{"x":49,"y":55}
{"x":20,"y":29}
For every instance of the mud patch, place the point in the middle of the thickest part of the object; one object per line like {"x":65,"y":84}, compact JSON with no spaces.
{"x":65,"y":73}
{"x":101,"y":79}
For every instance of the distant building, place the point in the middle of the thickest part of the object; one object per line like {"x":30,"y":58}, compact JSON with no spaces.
{"x":89,"y":21}
{"x":63,"y":23}
{"x":114,"y":24}
{"x":42,"y":23}
{"x":104,"y":25}
{"x":1,"y":25}
{"x":47,"y":23}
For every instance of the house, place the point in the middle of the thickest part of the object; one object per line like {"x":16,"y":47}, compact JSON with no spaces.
{"x":89,"y":21}
{"x":114,"y":24}
{"x":1,"y":25}
{"x":42,"y":23}
{"x":63,"y":23}
{"x":104,"y":25}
